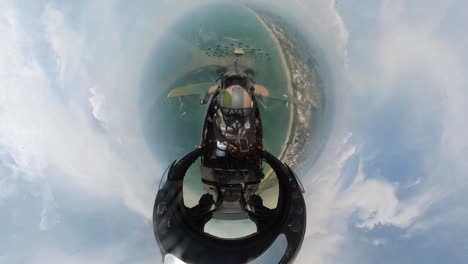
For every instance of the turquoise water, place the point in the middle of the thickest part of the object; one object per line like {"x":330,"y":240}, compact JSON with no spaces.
{"x":190,"y":52}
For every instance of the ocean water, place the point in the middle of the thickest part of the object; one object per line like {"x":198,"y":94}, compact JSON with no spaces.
{"x":173,"y":125}
{"x":190,"y":52}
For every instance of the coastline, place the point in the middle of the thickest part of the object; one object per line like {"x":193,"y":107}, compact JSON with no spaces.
{"x":305,"y":92}
{"x":288,"y":76}
{"x":269,"y":184}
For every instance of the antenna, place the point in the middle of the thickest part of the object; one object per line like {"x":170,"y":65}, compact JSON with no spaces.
{"x":237,"y":52}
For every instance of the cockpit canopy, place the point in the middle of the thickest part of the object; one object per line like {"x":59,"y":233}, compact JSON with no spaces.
{"x":236,"y":102}
{"x":235,"y":78}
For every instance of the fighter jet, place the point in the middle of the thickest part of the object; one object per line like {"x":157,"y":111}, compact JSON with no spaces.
{"x":231,"y":154}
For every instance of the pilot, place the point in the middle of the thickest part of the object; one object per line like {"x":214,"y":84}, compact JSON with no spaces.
{"x":233,"y":122}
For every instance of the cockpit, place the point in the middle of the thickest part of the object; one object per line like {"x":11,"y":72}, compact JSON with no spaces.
{"x":235,"y":78}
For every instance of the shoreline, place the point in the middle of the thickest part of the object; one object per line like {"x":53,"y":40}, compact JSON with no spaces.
{"x":270,"y":183}
{"x":304,"y":88}
{"x":290,"y":89}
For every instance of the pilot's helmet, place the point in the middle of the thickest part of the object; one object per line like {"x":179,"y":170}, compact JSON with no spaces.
{"x":236,"y":102}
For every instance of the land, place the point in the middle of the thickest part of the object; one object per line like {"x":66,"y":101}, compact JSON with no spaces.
{"x":304,"y":91}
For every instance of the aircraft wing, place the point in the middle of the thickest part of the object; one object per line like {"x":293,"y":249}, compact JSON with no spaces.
{"x":193,"y":89}
{"x":265,"y":96}
{"x":261,"y":90}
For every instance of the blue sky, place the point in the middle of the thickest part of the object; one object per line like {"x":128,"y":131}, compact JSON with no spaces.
{"x":396,"y":188}
{"x":76,"y":178}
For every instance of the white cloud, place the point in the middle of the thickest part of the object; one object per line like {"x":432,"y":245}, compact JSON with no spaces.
{"x":325,"y":230}
{"x":98,"y":106}
{"x":107,"y":255}
{"x":412,"y":42}
{"x":18,"y":74}
{"x":49,"y":214}
{"x":331,"y":209}
{"x":376,"y":203}
{"x":48,"y":137}
{"x":409,"y":54}
{"x":396,"y":50}
{"x":68,"y":46}
{"x":48,"y":129}
{"x":379,"y":242}
{"x":7,"y":190}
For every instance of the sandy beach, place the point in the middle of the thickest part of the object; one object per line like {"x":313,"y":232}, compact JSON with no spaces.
{"x":304,"y":92}
{"x":289,"y":88}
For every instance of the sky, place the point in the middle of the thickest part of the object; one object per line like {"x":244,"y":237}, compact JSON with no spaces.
{"x":77,"y":179}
